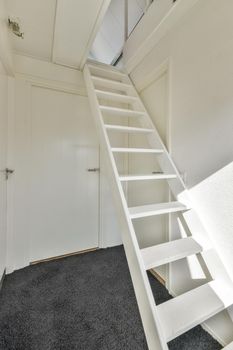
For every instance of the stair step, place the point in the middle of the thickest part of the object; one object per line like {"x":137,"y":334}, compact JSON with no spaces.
{"x":156,"y":209}
{"x":188,"y":310}
{"x":229,"y":347}
{"x":127,"y":129}
{"x":147,"y":177}
{"x":111,"y":84}
{"x":105,"y":66}
{"x":114,"y":72}
{"x":121,"y":111}
{"x":136,"y":150}
{"x":111,"y":96}
{"x":168,"y":252}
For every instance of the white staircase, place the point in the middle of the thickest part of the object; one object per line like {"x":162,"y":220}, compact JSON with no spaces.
{"x":164,"y":322}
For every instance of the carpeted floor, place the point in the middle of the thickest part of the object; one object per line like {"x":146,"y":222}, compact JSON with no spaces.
{"x":84,"y":302}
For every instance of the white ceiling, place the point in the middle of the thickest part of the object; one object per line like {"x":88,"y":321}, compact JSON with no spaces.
{"x":74,"y":27}
{"x":59,"y":31}
{"x":37,"y":19}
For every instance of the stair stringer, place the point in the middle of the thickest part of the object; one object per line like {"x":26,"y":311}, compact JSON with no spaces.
{"x":145,"y":299}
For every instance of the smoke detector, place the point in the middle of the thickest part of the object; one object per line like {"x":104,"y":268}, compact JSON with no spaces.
{"x":14,"y":25}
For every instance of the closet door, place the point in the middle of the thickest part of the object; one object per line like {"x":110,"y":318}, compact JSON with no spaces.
{"x":63,"y":175}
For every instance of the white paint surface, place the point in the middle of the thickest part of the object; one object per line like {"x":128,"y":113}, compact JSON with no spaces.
{"x":214,"y":196}
{"x":146,"y":304}
{"x":63,"y":194}
{"x":202,"y":303}
{"x":5,"y":48}
{"x":67,"y":85}
{"x":3,"y":164}
{"x":200,"y":51}
{"x":48,"y":74}
{"x":5,"y":68}
{"x":58,"y":31}
{"x":54,"y":195}
{"x":110,"y":39}
{"x":209,"y":299}
{"x":162,"y":254}
{"x":75,"y":29}
{"x":37,"y":23}
{"x":152,"y":19}
{"x":153,"y":230}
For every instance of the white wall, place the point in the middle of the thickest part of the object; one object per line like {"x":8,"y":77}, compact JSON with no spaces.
{"x":30,"y":72}
{"x":200,"y":51}
{"x":135,"y":45}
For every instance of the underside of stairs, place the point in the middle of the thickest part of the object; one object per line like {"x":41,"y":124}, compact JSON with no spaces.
{"x":107,"y":88}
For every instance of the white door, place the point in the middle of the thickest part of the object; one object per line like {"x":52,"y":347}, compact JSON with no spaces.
{"x":64,"y":195}
{"x":3,"y":192}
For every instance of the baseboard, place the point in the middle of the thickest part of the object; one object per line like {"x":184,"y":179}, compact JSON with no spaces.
{"x":2,"y":279}
{"x":157,"y":276}
{"x":63,"y":256}
{"x":213,"y":334}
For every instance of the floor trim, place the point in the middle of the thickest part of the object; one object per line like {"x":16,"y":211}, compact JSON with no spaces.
{"x":158,"y":277}
{"x":63,"y":256}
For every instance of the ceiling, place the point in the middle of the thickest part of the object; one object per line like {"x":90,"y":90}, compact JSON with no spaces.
{"x":58,"y":31}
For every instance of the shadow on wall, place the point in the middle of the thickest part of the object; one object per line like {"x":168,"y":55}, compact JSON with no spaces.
{"x":213,"y":200}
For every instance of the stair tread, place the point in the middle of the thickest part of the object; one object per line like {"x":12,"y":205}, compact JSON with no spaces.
{"x":156,"y":209}
{"x":168,"y":252}
{"x":188,"y":310}
{"x":147,"y":177}
{"x":121,"y":111}
{"x":115,"y":97}
{"x":107,"y":70}
{"x":127,"y":128}
{"x":110,"y":83}
{"x":137,"y":150}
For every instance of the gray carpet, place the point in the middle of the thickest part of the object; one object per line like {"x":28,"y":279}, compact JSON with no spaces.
{"x":83,"y":302}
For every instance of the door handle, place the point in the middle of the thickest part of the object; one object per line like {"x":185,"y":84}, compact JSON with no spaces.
{"x":7,"y":172}
{"x":93,"y":170}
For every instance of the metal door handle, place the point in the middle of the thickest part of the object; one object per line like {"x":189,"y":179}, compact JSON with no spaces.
{"x":7,"y":172}
{"x":93,"y":170}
